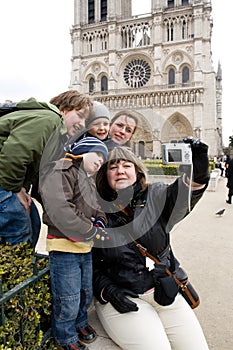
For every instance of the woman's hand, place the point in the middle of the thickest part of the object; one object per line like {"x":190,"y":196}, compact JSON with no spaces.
{"x":200,"y":162}
{"x":119,"y":301}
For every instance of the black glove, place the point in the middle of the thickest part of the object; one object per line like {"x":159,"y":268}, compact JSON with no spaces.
{"x":100,"y":222}
{"x":118,"y":299}
{"x":200,"y":161}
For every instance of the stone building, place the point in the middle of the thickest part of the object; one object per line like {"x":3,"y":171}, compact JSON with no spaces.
{"x":157,"y":64}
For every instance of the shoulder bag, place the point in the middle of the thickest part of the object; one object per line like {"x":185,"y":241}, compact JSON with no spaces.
{"x":167,"y":285}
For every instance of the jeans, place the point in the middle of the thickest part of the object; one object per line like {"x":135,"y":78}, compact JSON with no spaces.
{"x":16,"y":225}
{"x":71,"y":288}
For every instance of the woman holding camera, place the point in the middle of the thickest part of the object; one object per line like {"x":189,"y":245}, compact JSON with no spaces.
{"x":124,"y":283}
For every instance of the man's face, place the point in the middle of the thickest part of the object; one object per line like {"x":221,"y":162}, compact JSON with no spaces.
{"x":75,"y":119}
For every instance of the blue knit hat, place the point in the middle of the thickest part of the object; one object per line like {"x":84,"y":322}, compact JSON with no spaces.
{"x":89,"y":144}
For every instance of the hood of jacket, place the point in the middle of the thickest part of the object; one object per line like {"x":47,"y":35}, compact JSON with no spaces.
{"x":32,"y":103}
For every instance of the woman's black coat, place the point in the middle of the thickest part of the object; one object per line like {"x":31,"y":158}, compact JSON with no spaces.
{"x":150,"y":217}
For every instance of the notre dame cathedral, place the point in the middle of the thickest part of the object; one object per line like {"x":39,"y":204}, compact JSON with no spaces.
{"x":157,"y":64}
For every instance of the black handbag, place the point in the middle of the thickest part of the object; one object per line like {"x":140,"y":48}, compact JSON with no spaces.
{"x":167,"y":285}
{"x":165,"y":291}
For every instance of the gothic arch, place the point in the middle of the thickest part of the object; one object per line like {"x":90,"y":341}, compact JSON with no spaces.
{"x":95,"y":69}
{"x":141,"y":141}
{"x":176,"y":127}
{"x":177,"y":58}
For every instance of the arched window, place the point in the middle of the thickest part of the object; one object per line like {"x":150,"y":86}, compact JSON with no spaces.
{"x":104,"y":10}
{"x":104,"y":84}
{"x":171,"y":77}
{"x":91,"y":85}
{"x":185,"y":75}
{"x":91,"y":11}
{"x":171,"y":31}
{"x":184,"y":26}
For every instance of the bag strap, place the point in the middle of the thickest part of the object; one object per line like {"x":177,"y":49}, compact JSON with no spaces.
{"x":144,"y":252}
{"x":181,"y":284}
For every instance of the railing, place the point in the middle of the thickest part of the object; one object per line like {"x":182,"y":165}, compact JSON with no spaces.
{"x":18,"y":292}
{"x":146,"y":99}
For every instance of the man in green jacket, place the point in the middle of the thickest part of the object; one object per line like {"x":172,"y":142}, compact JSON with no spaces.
{"x":24,"y":134}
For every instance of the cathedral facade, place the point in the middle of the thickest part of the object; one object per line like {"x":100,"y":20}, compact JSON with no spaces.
{"x":158,"y":65}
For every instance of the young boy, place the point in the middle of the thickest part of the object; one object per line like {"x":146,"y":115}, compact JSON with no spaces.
{"x":98,"y":123}
{"x":73,"y":216}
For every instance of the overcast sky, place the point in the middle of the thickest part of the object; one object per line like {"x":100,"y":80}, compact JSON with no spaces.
{"x":36,"y":49}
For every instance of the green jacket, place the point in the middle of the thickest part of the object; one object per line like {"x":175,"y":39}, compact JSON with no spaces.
{"x":23,"y":136}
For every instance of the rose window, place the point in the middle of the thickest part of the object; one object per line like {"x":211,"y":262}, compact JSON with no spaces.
{"x":137,"y":73}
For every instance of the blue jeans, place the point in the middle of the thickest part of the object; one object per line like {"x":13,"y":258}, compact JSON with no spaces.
{"x":16,"y":225}
{"x":71,"y":288}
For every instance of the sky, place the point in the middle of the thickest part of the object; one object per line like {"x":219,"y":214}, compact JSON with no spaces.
{"x":36,"y":50}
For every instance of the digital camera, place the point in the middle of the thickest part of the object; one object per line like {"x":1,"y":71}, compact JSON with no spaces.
{"x":177,"y":152}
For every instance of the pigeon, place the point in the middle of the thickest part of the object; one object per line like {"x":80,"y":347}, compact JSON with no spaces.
{"x":220,"y":212}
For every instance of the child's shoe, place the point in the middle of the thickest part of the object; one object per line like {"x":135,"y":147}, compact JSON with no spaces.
{"x":87,"y":334}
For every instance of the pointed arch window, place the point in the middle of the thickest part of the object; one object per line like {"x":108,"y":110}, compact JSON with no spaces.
{"x":104,"y":84}
{"x":184,"y":26}
{"x":91,"y":85}
{"x":91,"y":11}
{"x":104,"y":10}
{"x":171,"y":77}
{"x":172,"y":32}
{"x":185,"y":75}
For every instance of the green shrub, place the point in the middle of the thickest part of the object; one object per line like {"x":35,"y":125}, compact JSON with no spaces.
{"x":27,"y":311}
{"x":155,"y":167}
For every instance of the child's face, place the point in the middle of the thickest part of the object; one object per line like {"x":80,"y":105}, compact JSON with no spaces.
{"x":99,"y":128}
{"x":92,"y":161}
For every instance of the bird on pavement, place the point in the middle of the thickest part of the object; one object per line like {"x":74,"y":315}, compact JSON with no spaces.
{"x":220,"y":213}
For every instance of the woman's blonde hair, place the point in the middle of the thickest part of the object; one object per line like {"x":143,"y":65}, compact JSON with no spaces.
{"x":116,"y":155}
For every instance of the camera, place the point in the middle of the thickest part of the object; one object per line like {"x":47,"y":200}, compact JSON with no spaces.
{"x":177,"y":152}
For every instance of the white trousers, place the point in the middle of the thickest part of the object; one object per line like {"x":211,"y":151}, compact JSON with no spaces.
{"x":153,"y":327}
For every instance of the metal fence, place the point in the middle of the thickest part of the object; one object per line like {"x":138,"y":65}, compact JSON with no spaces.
{"x":18,"y":292}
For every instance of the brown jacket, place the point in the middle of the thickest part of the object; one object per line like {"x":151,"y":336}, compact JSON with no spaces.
{"x":69,"y":198}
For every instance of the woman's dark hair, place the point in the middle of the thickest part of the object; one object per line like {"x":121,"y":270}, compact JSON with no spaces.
{"x":115,"y":156}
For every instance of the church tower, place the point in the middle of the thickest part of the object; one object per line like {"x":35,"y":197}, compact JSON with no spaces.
{"x":157,"y":64}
